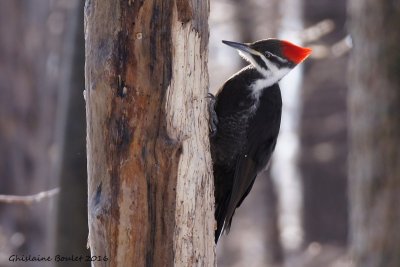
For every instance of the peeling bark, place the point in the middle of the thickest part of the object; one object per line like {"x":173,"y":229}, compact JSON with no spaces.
{"x":150,"y":178}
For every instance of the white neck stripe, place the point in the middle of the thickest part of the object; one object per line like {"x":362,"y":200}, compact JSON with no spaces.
{"x":271,"y":75}
{"x":268,"y":80}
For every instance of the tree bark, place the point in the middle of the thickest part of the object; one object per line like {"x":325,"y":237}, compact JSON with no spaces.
{"x":150,"y":185}
{"x":374,"y":167}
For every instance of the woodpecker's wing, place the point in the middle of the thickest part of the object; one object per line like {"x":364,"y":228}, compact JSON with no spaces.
{"x":262,"y":136}
{"x":243,"y":180}
{"x":245,"y":175}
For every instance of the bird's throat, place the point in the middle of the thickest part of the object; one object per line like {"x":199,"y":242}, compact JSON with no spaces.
{"x":269,"y":78}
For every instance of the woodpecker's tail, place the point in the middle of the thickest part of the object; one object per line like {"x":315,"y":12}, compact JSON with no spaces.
{"x":220,"y":216}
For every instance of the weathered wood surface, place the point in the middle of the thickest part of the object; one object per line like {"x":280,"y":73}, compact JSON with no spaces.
{"x":150,"y":183}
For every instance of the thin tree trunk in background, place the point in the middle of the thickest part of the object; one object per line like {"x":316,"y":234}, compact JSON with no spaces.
{"x":323,"y":133}
{"x":374,"y":166}
{"x":34,"y":67}
{"x":150,"y":179}
{"x":72,"y":227}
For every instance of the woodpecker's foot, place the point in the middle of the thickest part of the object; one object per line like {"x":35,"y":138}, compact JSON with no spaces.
{"x":213,"y":118}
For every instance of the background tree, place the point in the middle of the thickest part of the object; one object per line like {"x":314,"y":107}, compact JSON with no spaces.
{"x":324,"y":130}
{"x":71,"y":229}
{"x":150,"y":179}
{"x":374,"y":167}
{"x":37,"y":86}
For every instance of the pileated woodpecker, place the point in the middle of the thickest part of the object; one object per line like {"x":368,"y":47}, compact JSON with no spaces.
{"x":245,"y":117}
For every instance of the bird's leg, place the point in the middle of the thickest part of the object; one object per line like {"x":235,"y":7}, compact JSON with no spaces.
{"x":213,"y":118}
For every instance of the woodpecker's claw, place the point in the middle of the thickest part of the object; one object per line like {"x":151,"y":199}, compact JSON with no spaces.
{"x":213,"y":118}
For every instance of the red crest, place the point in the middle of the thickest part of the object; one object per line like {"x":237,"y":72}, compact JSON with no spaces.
{"x":295,"y":53}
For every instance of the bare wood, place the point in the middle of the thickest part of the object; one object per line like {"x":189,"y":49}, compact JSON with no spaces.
{"x":374,"y":167}
{"x":150,"y":179}
{"x":28,"y":200}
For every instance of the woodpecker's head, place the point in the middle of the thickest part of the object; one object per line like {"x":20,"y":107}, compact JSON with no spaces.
{"x":271,"y":57}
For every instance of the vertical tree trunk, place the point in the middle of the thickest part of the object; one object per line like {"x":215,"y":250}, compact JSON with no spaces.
{"x":71,"y":228}
{"x":324,"y":134}
{"x":150,"y":180}
{"x":374,"y":98}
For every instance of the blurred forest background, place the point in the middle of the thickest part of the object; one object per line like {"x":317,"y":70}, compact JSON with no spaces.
{"x":304,"y":212}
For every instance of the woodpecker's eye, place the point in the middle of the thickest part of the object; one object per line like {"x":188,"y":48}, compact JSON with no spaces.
{"x":268,"y":54}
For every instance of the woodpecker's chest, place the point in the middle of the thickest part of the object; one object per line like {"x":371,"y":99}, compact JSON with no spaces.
{"x":242,"y":112}
{"x":241,"y":96}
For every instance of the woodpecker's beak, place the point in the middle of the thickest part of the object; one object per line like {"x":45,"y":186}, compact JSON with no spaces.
{"x":242,"y":47}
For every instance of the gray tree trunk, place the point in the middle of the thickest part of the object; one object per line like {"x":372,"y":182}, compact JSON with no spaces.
{"x":374,"y":167}
{"x":150,"y":188}
{"x":72,"y":228}
{"x":324,"y":134}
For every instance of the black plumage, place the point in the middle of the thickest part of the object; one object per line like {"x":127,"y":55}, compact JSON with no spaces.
{"x":245,"y":138}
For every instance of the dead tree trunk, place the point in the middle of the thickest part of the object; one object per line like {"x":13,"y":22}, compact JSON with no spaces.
{"x":150,"y":180}
{"x":374,"y":98}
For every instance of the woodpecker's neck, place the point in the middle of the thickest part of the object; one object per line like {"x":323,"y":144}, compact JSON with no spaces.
{"x":267,"y":78}
{"x":269,"y":72}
